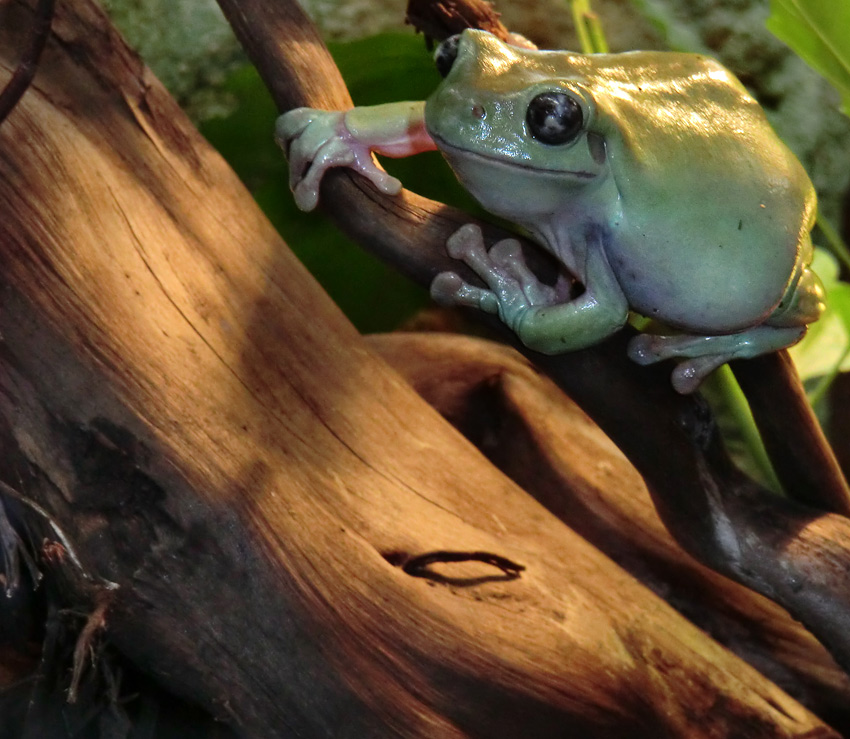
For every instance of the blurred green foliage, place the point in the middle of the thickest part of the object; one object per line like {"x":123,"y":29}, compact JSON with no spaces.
{"x":819,"y":32}
{"x":378,"y":69}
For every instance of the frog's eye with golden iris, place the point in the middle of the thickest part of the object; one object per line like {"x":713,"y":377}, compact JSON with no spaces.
{"x":446,"y":54}
{"x":554,"y":118}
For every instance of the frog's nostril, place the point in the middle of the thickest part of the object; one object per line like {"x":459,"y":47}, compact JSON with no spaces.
{"x":478,"y":112}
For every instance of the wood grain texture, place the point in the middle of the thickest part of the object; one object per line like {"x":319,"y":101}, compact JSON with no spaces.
{"x":537,"y":436}
{"x":225,"y":460}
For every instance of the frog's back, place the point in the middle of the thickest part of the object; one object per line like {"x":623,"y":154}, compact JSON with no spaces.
{"x":715,"y":211}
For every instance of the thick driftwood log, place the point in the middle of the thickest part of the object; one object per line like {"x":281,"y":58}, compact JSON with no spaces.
{"x":542,"y":440}
{"x":228,"y":466}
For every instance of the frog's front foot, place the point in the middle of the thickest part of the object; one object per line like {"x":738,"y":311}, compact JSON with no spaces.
{"x":511,"y":289}
{"x":316,"y":141}
{"x":704,"y":354}
{"x":544,"y":317}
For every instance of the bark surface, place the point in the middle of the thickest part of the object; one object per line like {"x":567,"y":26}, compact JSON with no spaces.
{"x":227,"y":465}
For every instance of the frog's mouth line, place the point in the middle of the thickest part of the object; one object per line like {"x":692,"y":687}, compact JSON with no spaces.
{"x":455,"y":151}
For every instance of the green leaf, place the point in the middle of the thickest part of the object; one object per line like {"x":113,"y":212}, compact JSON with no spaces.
{"x":819,"y":32}
{"x":738,"y":428}
{"x":589,"y":28}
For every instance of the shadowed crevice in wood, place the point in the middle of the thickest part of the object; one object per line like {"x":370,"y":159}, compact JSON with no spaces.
{"x":422,"y":565}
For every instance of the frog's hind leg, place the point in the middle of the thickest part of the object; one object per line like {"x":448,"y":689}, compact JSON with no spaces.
{"x":802,"y":303}
{"x":704,"y":354}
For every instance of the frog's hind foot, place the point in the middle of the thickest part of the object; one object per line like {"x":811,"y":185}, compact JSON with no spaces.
{"x":704,"y":354}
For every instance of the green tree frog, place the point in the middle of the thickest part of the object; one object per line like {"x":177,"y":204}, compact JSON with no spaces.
{"x":652,"y":177}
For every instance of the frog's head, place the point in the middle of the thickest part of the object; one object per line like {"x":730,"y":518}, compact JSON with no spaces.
{"x":516,"y":127}
{"x":649,"y":141}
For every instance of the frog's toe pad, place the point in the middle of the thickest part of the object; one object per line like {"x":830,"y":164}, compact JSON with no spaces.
{"x":445,"y":288}
{"x":688,"y":375}
{"x":449,"y":289}
{"x":645,"y":349}
{"x":466,"y":242}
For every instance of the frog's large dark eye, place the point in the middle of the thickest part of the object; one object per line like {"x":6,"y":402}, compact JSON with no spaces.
{"x":446,"y":54}
{"x":554,"y":118}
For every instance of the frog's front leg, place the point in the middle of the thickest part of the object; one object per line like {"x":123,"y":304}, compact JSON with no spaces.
{"x":317,"y":140}
{"x":542,"y":316}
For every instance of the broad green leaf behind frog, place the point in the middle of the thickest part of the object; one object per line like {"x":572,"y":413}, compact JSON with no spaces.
{"x":652,"y":176}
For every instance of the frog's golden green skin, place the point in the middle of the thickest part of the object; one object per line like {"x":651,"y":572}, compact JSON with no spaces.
{"x":653,"y":177}
{"x":706,"y":213}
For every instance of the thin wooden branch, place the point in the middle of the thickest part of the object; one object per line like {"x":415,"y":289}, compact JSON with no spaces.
{"x":440,"y":21}
{"x":804,"y":461}
{"x":672,"y":440}
{"x":839,"y":421}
